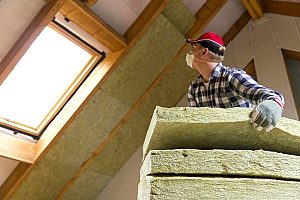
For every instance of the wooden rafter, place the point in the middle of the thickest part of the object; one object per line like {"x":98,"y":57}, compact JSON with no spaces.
{"x":83,"y":17}
{"x":204,"y":15}
{"x":281,"y":7}
{"x":250,"y":69}
{"x":236,"y":27}
{"x":154,"y":8}
{"x":210,"y":9}
{"x":254,"y":9}
{"x":291,"y":54}
{"x":89,"y":3}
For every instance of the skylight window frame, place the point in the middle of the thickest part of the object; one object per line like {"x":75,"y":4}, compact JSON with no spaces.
{"x":96,"y":56}
{"x":14,"y":146}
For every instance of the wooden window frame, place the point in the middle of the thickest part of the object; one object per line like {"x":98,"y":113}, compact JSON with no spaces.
{"x":25,"y":151}
{"x":96,"y":57}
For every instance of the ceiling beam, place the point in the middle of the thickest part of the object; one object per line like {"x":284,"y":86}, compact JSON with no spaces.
{"x":291,"y":54}
{"x":254,"y":9}
{"x":281,"y":7}
{"x":204,"y":15}
{"x":250,"y":68}
{"x":87,"y":20}
{"x":236,"y":27}
{"x":89,"y":3}
{"x":154,"y":8}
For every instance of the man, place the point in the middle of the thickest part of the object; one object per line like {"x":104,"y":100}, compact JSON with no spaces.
{"x":221,"y":86}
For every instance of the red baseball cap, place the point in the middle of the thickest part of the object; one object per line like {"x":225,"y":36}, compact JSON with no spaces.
{"x":210,"y":40}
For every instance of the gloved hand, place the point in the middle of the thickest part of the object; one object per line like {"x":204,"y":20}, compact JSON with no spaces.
{"x":265,"y":115}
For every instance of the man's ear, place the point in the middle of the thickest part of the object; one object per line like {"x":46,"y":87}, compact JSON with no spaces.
{"x":205,"y":52}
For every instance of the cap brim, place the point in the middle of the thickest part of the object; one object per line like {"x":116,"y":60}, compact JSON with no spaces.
{"x":192,"y":41}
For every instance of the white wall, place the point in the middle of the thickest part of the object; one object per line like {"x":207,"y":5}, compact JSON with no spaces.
{"x":124,"y":185}
{"x":261,"y":40}
{"x":6,"y":167}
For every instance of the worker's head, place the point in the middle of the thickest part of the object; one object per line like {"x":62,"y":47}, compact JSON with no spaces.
{"x":208,"y":47}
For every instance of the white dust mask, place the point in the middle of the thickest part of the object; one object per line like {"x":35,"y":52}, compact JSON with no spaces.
{"x":189,"y":59}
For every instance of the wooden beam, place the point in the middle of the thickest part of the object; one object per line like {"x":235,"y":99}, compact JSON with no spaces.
{"x":254,"y":9}
{"x":250,"y":69}
{"x":236,"y":27}
{"x":281,"y":7}
{"x":89,"y":3}
{"x":204,"y":15}
{"x":40,"y":21}
{"x":291,"y":54}
{"x":152,"y":10}
{"x":87,"y":20}
{"x":14,"y":180}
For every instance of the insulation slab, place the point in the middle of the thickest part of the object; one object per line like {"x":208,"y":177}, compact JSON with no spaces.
{"x":246,"y":163}
{"x":175,"y":188}
{"x":211,"y":128}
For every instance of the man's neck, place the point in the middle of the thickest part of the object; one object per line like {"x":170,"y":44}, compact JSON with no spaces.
{"x":205,"y":69}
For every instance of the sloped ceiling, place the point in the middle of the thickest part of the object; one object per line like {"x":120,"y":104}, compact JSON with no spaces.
{"x":113,"y":122}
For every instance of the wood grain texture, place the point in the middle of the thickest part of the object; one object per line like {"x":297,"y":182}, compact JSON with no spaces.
{"x":281,"y":7}
{"x":148,"y":15}
{"x":87,"y":20}
{"x":204,"y":16}
{"x":254,"y":9}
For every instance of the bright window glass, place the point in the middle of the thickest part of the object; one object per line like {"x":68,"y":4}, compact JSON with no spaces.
{"x":41,"y":78}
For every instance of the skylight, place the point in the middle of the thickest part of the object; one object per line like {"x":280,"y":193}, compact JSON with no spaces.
{"x":42,"y":80}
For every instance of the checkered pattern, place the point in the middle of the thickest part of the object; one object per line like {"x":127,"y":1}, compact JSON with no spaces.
{"x":227,"y":88}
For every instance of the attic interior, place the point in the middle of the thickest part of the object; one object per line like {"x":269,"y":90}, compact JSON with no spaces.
{"x":88,"y":145}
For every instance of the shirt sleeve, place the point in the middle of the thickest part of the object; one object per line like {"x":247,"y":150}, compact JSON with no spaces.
{"x":246,"y":87}
{"x":191,"y":98}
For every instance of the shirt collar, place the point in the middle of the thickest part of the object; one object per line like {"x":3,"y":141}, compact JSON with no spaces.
{"x":215,"y":72}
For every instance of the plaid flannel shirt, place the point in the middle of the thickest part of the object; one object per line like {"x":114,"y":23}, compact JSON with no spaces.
{"x":229,"y":87}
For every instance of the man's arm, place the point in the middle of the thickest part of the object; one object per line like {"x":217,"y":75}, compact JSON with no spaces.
{"x":269,"y":103}
{"x":246,"y":87}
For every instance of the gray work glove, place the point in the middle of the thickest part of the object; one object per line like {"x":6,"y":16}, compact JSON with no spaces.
{"x":265,"y":115}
